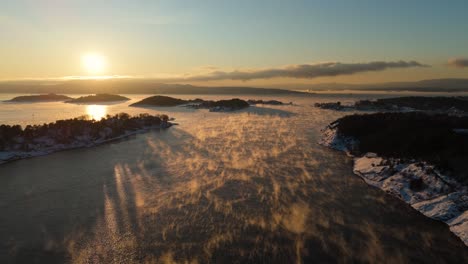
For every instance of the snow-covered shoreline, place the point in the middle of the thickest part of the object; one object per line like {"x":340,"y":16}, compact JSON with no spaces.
{"x":8,"y":156}
{"x":417,"y":183}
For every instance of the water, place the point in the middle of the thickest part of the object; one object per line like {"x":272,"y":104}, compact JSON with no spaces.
{"x":249,"y":186}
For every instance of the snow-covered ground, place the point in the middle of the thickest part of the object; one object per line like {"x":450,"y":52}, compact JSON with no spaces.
{"x":417,"y":183}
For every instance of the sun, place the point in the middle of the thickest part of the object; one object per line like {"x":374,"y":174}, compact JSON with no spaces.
{"x":96,"y":112}
{"x":94,"y":63}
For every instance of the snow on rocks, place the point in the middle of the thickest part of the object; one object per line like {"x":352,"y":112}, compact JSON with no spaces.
{"x":445,"y":207}
{"x":411,"y":182}
{"x":45,"y":146}
{"x":330,"y":138}
{"x":6,"y":156}
{"x":459,"y":226}
{"x":417,"y":183}
{"x":371,"y":169}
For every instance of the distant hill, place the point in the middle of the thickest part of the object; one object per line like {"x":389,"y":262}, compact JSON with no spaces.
{"x":441,"y":104}
{"x":434,"y":85}
{"x":127,"y":86}
{"x":148,"y":86}
{"x":416,"y":102}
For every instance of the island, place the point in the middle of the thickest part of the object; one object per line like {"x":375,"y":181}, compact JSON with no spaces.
{"x":39,"y":98}
{"x":17,"y":143}
{"x":222,"y":105}
{"x":164,"y":101}
{"x":265,"y":102}
{"x":334,"y":106}
{"x":98,"y":98}
{"x":415,"y":156}
{"x":409,"y":103}
{"x":214,"y":106}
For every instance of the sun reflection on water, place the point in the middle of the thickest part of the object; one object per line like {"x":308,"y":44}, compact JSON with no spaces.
{"x":96,"y":112}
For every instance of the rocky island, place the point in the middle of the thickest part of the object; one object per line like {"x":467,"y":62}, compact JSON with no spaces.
{"x":39,"y":98}
{"x":98,"y":98}
{"x":415,"y":156}
{"x":17,"y":143}
{"x":441,"y":104}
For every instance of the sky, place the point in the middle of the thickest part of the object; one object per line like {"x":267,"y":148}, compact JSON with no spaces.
{"x":237,"y":42}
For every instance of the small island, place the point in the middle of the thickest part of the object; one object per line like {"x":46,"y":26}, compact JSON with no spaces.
{"x":161,"y":100}
{"x":409,"y":103}
{"x":39,"y":98}
{"x":334,"y":106}
{"x":415,"y":156}
{"x":265,"y":102}
{"x":98,"y":98}
{"x":17,"y":143}
{"x":222,"y":105}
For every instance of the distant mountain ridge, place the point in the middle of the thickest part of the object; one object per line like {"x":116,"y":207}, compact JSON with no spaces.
{"x":432,"y":85}
{"x":148,"y":86}
{"x":127,"y":87}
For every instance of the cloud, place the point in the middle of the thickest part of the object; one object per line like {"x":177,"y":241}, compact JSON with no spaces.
{"x":458,"y":62}
{"x":299,"y":71}
{"x":303,"y":71}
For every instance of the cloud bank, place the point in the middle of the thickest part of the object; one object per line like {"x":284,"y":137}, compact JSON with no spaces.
{"x":458,"y":62}
{"x":304,"y":71}
{"x":297,"y":71}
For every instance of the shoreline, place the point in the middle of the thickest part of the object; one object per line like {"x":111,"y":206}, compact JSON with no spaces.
{"x":10,"y":156}
{"x":418,"y":184}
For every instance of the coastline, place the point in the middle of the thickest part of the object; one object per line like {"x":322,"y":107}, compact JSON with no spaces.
{"x":10,"y":156}
{"x":418,"y":184}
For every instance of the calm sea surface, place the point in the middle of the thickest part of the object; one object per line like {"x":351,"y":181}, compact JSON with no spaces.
{"x":248,"y":186}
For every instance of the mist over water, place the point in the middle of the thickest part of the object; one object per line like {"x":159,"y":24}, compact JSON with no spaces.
{"x":247,"y":186}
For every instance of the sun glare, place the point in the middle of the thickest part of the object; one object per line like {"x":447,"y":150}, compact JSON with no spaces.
{"x":94,"y":63}
{"x":96,"y":112}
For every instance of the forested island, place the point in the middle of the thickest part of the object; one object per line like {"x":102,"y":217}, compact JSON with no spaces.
{"x":164,"y":101}
{"x":40,"y":98}
{"x":221,"y":105}
{"x":17,"y":142}
{"x":98,"y":98}
{"x":421,"y":103}
{"x":415,"y":156}
{"x":265,"y":102}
